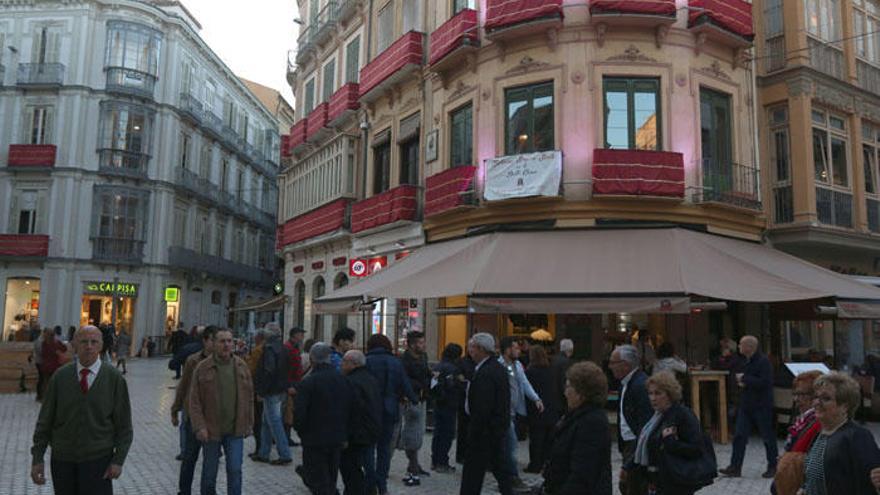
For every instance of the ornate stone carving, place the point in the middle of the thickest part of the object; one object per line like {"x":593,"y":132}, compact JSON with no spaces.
{"x":799,"y":86}
{"x":681,"y":80}
{"x":526,"y":65}
{"x":835,"y":98}
{"x":577,"y":77}
{"x":460,"y":89}
{"x":714,"y":70}
{"x":631,"y":54}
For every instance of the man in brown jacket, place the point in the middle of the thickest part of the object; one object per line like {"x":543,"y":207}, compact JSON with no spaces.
{"x":221,"y":411}
{"x":181,"y":402}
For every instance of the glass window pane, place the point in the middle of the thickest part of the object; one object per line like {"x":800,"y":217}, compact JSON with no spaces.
{"x":518,"y":117}
{"x":870,"y":164}
{"x":820,"y":155}
{"x":838,"y":162}
{"x":543,"y":122}
{"x":645,"y":113}
{"x":837,"y":123}
{"x":818,"y":117}
{"x":461,"y":137}
{"x":616,"y":120}
{"x":780,"y":140}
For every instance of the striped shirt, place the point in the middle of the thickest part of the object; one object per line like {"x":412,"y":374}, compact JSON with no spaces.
{"x":814,"y":467}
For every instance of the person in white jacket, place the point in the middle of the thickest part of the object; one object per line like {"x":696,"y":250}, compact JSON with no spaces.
{"x":667,"y":360}
{"x":520,"y":390}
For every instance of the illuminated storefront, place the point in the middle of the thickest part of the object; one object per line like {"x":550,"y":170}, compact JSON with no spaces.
{"x":109,"y":303}
{"x":22,"y":307}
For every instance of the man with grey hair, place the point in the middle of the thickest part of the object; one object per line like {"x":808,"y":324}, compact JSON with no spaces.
{"x":633,"y":412}
{"x":271,"y":384}
{"x":323,"y":406}
{"x":561,"y":363}
{"x":366,"y":421}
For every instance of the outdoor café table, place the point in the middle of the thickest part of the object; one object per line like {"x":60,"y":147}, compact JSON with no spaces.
{"x":699,"y":376}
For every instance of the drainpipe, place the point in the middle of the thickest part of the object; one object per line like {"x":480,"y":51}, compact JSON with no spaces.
{"x":365,"y":123}
{"x":757,"y":146}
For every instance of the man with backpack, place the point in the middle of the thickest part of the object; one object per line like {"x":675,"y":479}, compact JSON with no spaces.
{"x":365,"y":424}
{"x":271,"y":384}
{"x":447,"y":390}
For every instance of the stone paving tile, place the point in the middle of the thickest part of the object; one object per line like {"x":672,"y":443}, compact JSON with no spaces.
{"x":152,"y":470}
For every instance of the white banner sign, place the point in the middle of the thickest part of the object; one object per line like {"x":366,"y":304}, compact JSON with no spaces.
{"x":518,"y":176}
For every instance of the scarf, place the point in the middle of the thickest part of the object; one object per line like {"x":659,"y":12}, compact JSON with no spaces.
{"x":641,"y":455}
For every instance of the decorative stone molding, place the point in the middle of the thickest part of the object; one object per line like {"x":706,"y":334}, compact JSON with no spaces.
{"x":631,"y":54}
{"x":526,"y":65}
{"x":714,"y":70}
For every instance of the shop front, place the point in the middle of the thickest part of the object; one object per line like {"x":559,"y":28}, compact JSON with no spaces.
{"x":22,"y":308}
{"x":109,"y":303}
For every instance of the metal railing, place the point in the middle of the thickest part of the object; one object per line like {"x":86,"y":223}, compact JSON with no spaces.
{"x":305,"y":44}
{"x":118,"y":249}
{"x":325,"y":23}
{"x":197,"y":185}
{"x":191,"y":107}
{"x":40,"y":74}
{"x":834,"y":207}
{"x":188,"y":259}
{"x":783,"y":205}
{"x":775,"y":49}
{"x":826,"y":58}
{"x":729,"y":183}
{"x":873,"y":215}
{"x":869,"y":76}
{"x":130,"y":81}
{"x":345,"y":9}
{"x":122,"y":162}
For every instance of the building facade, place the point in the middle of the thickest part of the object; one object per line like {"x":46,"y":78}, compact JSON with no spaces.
{"x":422,"y":122}
{"x":139,"y":171}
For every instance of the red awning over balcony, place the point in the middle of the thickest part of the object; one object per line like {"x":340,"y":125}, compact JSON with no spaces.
{"x":34,"y":245}
{"x":406,"y":51}
{"x":317,"y":120}
{"x":444,"y":191}
{"x":322,"y":220}
{"x":506,"y":13}
{"x":298,"y":134}
{"x":285,"y":145}
{"x":734,"y":16}
{"x":390,"y":206}
{"x":461,"y":30}
{"x":638,"y":173}
{"x":343,"y":100}
{"x":643,"y":7}
{"x":31,"y":155}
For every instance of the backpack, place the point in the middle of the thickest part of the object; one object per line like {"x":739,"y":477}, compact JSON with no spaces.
{"x":445,"y":390}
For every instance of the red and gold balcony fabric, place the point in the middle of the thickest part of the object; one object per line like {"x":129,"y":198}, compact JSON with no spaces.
{"x":393,"y":205}
{"x":298,"y":134}
{"x":405,"y":51}
{"x":644,"y":7}
{"x":460,"y":30}
{"x":732,"y":15}
{"x":24,"y":245}
{"x":32,"y":155}
{"x":343,"y":100}
{"x":285,"y":145}
{"x":638,"y":173}
{"x":322,"y":220}
{"x":444,"y":191}
{"x":317,"y":120}
{"x":506,"y":13}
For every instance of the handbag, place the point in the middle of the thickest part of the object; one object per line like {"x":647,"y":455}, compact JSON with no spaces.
{"x":790,"y":473}
{"x":694,"y":473}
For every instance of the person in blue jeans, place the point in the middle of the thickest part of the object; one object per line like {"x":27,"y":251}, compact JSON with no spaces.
{"x":520,"y":391}
{"x":271,"y":382}
{"x":394,"y":387}
{"x":447,"y":390}
{"x":221,"y":410}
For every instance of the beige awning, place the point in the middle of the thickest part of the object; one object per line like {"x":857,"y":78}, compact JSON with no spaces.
{"x":271,"y":304}
{"x":652,"y":265}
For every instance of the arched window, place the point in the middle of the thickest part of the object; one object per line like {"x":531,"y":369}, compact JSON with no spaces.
{"x":340,"y":321}
{"x":318,"y":290}
{"x":299,"y":295}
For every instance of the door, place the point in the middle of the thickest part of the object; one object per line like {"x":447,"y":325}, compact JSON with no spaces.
{"x":715,"y":138}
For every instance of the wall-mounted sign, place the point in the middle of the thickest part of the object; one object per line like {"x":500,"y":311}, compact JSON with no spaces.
{"x":518,"y":176}
{"x":357,"y":268}
{"x":362,"y":267}
{"x":123,"y":289}
{"x":377,"y":263}
{"x":172,"y":294}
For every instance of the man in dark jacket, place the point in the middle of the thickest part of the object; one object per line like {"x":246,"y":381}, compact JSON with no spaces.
{"x":633,"y":412}
{"x":178,"y":340}
{"x":366,"y":421}
{"x":755,"y":408}
{"x":446,"y":389}
{"x":560,"y":365}
{"x":415,"y":362}
{"x":271,"y":383}
{"x":466,"y":365}
{"x":488,"y":405}
{"x":323,"y":412}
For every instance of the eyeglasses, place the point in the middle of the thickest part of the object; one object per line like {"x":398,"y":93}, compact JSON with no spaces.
{"x":803,"y":394}
{"x":825,"y":399}
{"x":615,"y":361}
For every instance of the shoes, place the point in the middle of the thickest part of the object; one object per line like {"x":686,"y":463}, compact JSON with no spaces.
{"x":532,"y":470}
{"x":292,"y":443}
{"x":300,"y":471}
{"x":518,"y":484}
{"x":769,"y":473}
{"x":731,"y":472}
{"x":179,"y":457}
{"x":257,"y":458}
{"x":443,"y":468}
{"x":411,"y":480}
{"x":421,"y":472}
{"x":280,"y":462}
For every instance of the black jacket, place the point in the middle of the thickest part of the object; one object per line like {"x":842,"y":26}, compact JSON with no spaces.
{"x":544,"y":382}
{"x":687,"y":443}
{"x":636,"y":406}
{"x":850,"y":455}
{"x":271,"y":377}
{"x":418,"y":372}
{"x":366,"y":411}
{"x":323,"y":407}
{"x":758,"y":380}
{"x":488,"y":401}
{"x":449,"y":391}
{"x":560,"y":366}
{"x":580,"y":461}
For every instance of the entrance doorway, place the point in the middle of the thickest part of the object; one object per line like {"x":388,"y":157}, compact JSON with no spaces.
{"x":108,"y":310}
{"x":22,"y":308}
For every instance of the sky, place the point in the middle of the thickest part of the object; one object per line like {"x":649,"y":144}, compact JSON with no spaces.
{"x":251,"y":37}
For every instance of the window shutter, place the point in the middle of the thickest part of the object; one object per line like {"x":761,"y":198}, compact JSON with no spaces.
{"x":12,"y":228}
{"x":53,"y":46}
{"x":42,"y":224}
{"x":329,"y":80}
{"x":409,"y":128}
{"x":37,"y":45}
{"x":48,"y":125}
{"x":28,"y":124}
{"x":352,"y":60}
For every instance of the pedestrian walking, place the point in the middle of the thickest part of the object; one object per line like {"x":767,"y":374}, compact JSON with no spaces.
{"x":37,"y":358}
{"x":179,"y":338}
{"x":54,"y":355}
{"x":108,"y":332}
{"x":415,"y":363}
{"x":446,"y":390}
{"x":294,"y":376}
{"x":86,"y":420}
{"x":343,"y":341}
{"x":323,"y":413}
{"x":801,"y":433}
{"x":365,"y":425}
{"x":580,"y":460}
{"x":488,"y":405}
{"x":394,"y":387}
{"x":253,"y":359}
{"x":755,"y":409}
{"x":222,"y":413}
{"x":466,"y":365}
{"x":633,"y":412}
{"x":123,"y":349}
{"x":271,"y":383}
{"x":191,"y":445}
{"x":520,"y":391}
{"x":541,"y":424}
{"x":561,"y":362}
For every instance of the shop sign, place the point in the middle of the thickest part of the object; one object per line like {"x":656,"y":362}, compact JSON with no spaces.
{"x":519,"y":176}
{"x":357,"y":268}
{"x":123,"y":289}
{"x":172,"y":294}
{"x":362,"y":267}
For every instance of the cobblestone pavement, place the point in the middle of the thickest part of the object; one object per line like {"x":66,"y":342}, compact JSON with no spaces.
{"x":151,"y":468}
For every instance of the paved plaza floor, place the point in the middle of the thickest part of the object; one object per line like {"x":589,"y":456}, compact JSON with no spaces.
{"x":151,"y":468}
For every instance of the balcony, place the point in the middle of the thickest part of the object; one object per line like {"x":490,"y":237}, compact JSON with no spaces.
{"x":449,"y":189}
{"x":118,"y":250}
{"x":454,"y":39}
{"x":298,"y":135}
{"x":834,"y":207}
{"x":398,"y":61}
{"x":317,"y":122}
{"x":123,"y":163}
{"x":130,"y":82}
{"x":187,"y":259}
{"x":622,"y":173}
{"x":305,"y":45}
{"x":323,"y":176}
{"x":200,"y":187}
{"x":325,"y":23}
{"x":24,"y":245}
{"x":40,"y":75}
{"x":633,"y":12}
{"x":191,"y":108}
{"x":345,"y":10}
{"x":323,"y":220}
{"x":731,"y":184}
{"x":508,"y":19}
{"x":343,"y":103}
{"x":31,"y":155}
{"x":726,"y":21}
{"x":285,"y":146}
{"x":399,"y":204}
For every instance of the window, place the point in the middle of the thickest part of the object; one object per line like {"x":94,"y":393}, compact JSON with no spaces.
{"x":125,"y":136}
{"x":201,"y":236}
{"x":632,"y":110}
{"x":309,"y":102}
{"x":529,"y":119}
{"x":382,"y":162}
{"x":314,"y":10}
{"x":870,"y":150}
{"x":823,"y":19}
{"x":224,"y":174}
{"x":27,"y":212}
{"x":299,"y":296}
{"x":715,"y":140}
{"x":353,"y":60}
{"x":239,"y":191}
{"x":780,"y":162}
{"x":47,"y":45}
{"x":205,"y":162}
{"x":866,"y":29}
{"x":408,"y":141}
{"x":461,"y":140}
{"x":180,"y":219}
{"x":187,"y":77}
{"x":40,"y":124}
{"x":329,"y":80}
{"x":119,"y":229}
{"x":459,"y":5}
{"x":831,"y":170}
{"x":216,"y":297}
{"x":185,"y":143}
{"x":133,"y":46}
{"x":385,"y":28}
{"x":773,"y":25}
{"x":319,"y":287}
{"x":340,"y":321}
{"x":238,"y":247}
{"x":412,"y":15}
{"x":220,"y":239}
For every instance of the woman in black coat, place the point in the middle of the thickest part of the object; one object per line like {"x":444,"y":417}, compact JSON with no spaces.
{"x":541,"y":424}
{"x":580,"y":460}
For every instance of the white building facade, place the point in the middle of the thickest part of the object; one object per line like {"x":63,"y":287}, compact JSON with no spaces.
{"x":138,"y":173}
